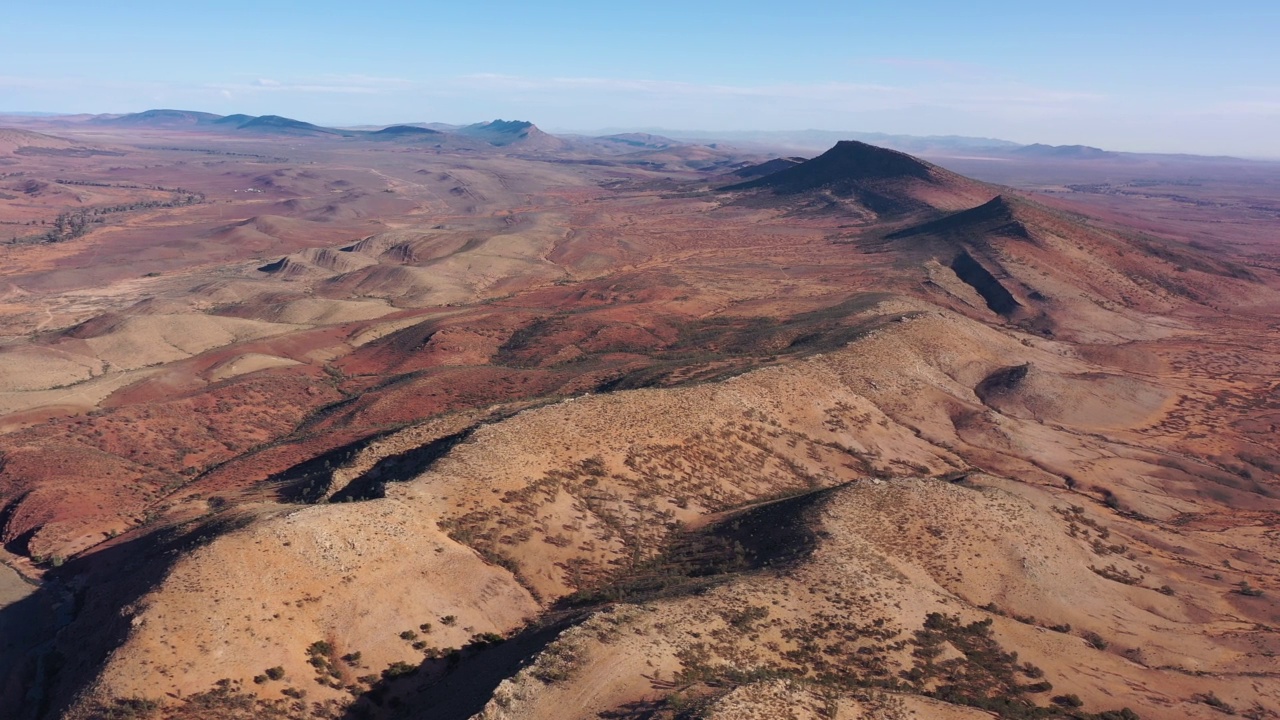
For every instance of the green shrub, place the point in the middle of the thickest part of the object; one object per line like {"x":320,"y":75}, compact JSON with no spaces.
{"x":1070,"y":700}
{"x":489,"y":638}
{"x":398,"y":669}
{"x":1094,"y":639}
{"x":128,"y":709}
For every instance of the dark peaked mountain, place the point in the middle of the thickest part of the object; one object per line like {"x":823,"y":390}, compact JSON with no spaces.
{"x":870,"y":180}
{"x":843,"y":167}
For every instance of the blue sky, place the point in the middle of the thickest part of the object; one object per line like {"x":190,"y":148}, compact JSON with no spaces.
{"x":1126,"y":74}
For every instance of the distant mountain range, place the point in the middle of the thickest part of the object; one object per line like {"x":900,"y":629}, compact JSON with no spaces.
{"x":190,"y":119}
{"x":936,"y":146}
{"x":525,"y":136}
{"x":497,"y":133}
{"x":160,"y":119}
{"x":1069,"y":152}
{"x":817,"y":140}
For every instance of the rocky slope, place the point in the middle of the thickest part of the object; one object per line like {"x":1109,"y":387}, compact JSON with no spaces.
{"x":861,"y":438}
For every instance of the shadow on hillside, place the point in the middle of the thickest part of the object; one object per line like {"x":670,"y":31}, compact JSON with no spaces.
{"x":399,"y":467}
{"x":78,"y":617}
{"x":457,"y":687}
{"x":26,"y":628}
{"x":766,"y":537}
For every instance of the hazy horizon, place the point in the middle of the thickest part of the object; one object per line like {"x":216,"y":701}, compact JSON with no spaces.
{"x":1174,"y":80}
{"x":799,"y":140}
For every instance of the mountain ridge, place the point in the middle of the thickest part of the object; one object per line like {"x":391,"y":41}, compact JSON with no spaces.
{"x":876,"y":182}
{"x":357,"y":432}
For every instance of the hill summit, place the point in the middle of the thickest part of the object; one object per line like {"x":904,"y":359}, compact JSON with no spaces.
{"x":500,"y":133}
{"x":866,"y":181}
{"x":404,"y":130}
{"x":849,"y":162}
{"x":159,"y":118}
{"x":283,"y":125}
{"x":1064,"y":152}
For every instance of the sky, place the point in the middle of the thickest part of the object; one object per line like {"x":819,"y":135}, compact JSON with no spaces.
{"x":1136,"y":75}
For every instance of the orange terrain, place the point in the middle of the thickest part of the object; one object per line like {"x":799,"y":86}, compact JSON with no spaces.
{"x":497,"y":424}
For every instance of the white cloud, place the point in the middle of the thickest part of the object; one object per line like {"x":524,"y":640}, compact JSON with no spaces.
{"x":1246,"y":107}
{"x":655,"y":87}
{"x":342,"y":84}
{"x":1000,"y":98}
{"x":932,"y":65}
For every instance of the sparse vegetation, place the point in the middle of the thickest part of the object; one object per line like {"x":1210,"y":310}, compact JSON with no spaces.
{"x":77,"y":223}
{"x":1095,"y":640}
{"x":398,"y":669}
{"x":693,"y":522}
{"x":1248,"y":590}
{"x":1068,"y":701}
{"x":128,"y":709}
{"x":1115,"y":574}
{"x":1216,"y":703}
{"x":836,"y":654}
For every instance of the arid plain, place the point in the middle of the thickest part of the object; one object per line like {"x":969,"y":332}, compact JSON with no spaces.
{"x":484,"y":422}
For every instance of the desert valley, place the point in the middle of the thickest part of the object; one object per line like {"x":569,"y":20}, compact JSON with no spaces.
{"x":429,"y":421}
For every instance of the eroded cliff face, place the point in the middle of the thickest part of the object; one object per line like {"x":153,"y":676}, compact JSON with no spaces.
{"x":997,"y":297}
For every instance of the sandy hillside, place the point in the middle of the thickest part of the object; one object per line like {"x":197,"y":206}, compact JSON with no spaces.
{"x":486,"y":423}
{"x":605,"y":481}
